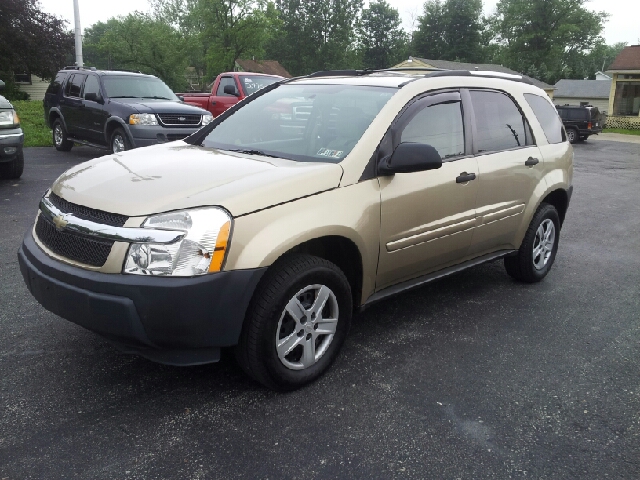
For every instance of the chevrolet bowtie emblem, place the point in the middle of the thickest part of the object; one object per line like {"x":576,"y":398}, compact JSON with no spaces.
{"x":60,"y":222}
{"x":182,"y":119}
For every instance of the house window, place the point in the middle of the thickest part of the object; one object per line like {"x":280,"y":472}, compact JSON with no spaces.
{"x":23,"y":78}
{"x":627,"y":99}
{"x":628,"y":77}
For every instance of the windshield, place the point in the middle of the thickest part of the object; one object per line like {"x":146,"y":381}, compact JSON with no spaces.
{"x":137,"y":87}
{"x":252,"y":83}
{"x":312,"y":123}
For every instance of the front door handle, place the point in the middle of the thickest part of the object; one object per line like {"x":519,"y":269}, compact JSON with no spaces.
{"x":213,"y":102}
{"x":465,"y":177}
{"x":531,"y":162}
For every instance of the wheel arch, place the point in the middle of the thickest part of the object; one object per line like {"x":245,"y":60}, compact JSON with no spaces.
{"x":54,"y":114}
{"x":111,"y":125}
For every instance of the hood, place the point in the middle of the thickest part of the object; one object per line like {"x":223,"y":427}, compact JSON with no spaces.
{"x":148,"y":105}
{"x":177,"y":175}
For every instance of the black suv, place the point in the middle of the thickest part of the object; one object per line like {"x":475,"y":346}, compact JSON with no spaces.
{"x":116,"y":110}
{"x":580,"y":122}
{"x":11,"y":140}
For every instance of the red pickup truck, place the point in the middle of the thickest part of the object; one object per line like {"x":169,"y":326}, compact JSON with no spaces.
{"x":228,"y":89}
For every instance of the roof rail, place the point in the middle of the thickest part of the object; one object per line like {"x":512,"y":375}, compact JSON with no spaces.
{"x":368,"y":71}
{"x":75,"y":67}
{"x":484,"y":74}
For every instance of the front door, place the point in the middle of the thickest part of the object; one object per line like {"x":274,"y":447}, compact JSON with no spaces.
{"x":222,"y":101}
{"x":427,"y":218}
{"x":510,"y":166}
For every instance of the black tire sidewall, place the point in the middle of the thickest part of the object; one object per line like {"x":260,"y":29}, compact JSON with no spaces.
{"x":65,"y":144}
{"x":545,"y":212}
{"x":287,"y":378}
{"x":12,"y":170}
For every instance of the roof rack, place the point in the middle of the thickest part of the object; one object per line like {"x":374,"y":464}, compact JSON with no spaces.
{"x":483,"y":73}
{"x":76,"y":67}
{"x":368,"y":71}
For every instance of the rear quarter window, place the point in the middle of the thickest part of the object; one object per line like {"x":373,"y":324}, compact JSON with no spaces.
{"x":54,"y":87}
{"x":547,"y":116}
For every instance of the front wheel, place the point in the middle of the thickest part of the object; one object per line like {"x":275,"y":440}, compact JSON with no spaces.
{"x":119,"y":141}
{"x":296,"y":323}
{"x":539,"y":246}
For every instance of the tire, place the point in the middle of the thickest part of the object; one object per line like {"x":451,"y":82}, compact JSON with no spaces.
{"x":572,"y":135}
{"x":119,"y":141}
{"x":60,"y":140}
{"x":12,"y":170}
{"x":529,"y":266}
{"x":294,"y":284}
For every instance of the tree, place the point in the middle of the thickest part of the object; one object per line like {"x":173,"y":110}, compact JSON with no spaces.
{"x":31,"y":41}
{"x":581,"y":65}
{"x":452,"y":30}
{"x":382,"y":38}
{"x":314,"y":35}
{"x":428,"y":39}
{"x":138,"y":42}
{"x":540,"y":36}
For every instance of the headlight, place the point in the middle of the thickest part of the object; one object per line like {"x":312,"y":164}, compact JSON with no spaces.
{"x":207,"y":119}
{"x":143,"y":119}
{"x":201,"y":250}
{"x":9,"y":118}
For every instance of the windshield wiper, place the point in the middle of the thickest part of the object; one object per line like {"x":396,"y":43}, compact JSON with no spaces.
{"x":253,"y":152}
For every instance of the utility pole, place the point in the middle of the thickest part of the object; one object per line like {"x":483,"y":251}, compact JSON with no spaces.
{"x":76,"y":14}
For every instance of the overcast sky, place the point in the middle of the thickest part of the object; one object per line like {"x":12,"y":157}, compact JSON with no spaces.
{"x":623,"y":24}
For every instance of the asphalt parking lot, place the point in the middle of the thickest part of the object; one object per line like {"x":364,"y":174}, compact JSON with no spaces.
{"x":474,"y":376}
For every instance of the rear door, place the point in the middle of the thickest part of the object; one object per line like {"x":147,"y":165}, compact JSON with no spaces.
{"x":510,"y":166}
{"x":427,"y":218}
{"x":92,"y":114}
{"x":222,"y":101}
{"x":71,"y":103}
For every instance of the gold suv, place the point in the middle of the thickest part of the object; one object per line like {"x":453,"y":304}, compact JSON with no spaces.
{"x":267,"y":229}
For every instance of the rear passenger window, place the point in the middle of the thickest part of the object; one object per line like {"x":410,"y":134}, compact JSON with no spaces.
{"x":54,"y":87}
{"x":440,"y":126}
{"x":74,"y":85}
{"x":499,"y":123}
{"x":547,"y":117}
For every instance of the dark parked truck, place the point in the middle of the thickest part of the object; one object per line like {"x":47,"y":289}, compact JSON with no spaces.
{"x":228,"y":89}
{"x":580,"y":122}
{"x":116,"y":110}
{"x":11,"y":141}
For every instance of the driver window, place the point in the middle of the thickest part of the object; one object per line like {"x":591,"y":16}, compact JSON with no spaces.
{"x":224,"y":81}
{"x":440,"y":126}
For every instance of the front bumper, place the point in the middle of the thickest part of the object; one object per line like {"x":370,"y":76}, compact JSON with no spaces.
{"x":11,"y":141}
{"x":145,"y":135}
{"x":175,"y":321}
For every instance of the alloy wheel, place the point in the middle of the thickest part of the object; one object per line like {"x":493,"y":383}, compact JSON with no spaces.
{"x":543,"y":244}
{"x":117,"y":145}
{"x":57,"y":135}
{"x":306,"y":327}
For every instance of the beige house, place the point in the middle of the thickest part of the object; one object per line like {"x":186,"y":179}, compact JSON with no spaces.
{"x":624,"y":97}
{"x":485,"y":67}
{"x":583,"y":92}
{"x":33,"y":85}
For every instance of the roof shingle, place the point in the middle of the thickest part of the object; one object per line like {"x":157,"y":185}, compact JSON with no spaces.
{"x":269,"y":67}
{"x":627,"y":59}
{"x":583,"y":88}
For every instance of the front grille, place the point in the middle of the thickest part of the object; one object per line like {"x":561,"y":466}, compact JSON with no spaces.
{"x":172,"y":137}
{"x":89,"y":251}
{"x":177,"y":120}
{"x":80,"y":211}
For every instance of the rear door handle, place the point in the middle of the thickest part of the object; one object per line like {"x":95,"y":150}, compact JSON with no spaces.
{"x":465,"y":177}
{"x":531,"y":162}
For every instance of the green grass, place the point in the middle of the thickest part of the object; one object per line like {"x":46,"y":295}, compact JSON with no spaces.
{"x":621,"y":130}
{"x":36,"y":132}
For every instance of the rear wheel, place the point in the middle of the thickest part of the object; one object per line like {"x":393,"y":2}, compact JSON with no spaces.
{"x":539,"y":246}
{"x":572,"y":135}
{"x":60,"y":140}
{"x":12,"y":170}
{"x":297,"y":322}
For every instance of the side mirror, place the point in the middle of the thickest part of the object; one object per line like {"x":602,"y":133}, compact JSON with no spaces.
{"x":410,"y":157}
{"x":230,"y":90}
{"x":93,"y":97}
{"x":1,"y":85}
{"x":181,"y":98}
